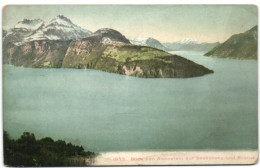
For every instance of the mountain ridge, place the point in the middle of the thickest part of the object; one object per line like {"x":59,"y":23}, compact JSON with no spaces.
{"x":238,"y":46}
{"x":190,"y":45}
{"x":106,"y":50}
{"x":58,"y":28}
{"x":148,"y":41}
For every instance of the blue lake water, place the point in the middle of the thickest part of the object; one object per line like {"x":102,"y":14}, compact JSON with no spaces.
{"x":110,"y":112}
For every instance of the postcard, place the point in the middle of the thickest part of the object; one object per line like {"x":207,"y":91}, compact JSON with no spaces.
{"x":108,"y":85}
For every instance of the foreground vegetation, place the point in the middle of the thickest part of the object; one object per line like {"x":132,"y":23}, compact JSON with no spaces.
{"x":27,"y":151}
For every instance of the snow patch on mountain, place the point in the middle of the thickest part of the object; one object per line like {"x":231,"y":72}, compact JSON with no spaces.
{"x":139,"y":41}
{"x":29,"y":24}
{"x":107,"y":40}
{"x":36,"y":36}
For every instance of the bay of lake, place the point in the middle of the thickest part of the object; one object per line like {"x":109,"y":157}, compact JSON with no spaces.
{"x":109,"y":112}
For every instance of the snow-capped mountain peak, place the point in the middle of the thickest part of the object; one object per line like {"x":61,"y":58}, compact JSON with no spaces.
{"x":29,"y":24}
{"x":62,"y":21}
{"x":58,"y":28}
{"x":147,"y":41}
{"x":188,"y":41}
{"x":139,"y":40}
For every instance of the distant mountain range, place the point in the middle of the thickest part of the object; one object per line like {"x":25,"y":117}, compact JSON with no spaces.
{"x":238,"y":46}
{"x":149,"y":41}
{"x":190,"y":45}
{"x":62,"y":44}
{"x":59,"y":28}
{"x":62,"y":28}
{"x":183,"y":45}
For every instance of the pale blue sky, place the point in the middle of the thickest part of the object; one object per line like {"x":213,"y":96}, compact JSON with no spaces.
{"x":167,"y":23}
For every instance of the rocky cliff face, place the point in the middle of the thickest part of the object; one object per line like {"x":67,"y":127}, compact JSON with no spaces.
{"x":36,"y":54}
{"x":107,"y":50}
{"x":239,"y":46}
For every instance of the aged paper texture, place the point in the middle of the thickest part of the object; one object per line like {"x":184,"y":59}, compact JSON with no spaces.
{"x":107,"y":85}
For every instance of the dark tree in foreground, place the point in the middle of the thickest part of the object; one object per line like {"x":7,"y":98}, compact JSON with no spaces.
{"x":27,"y":151}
